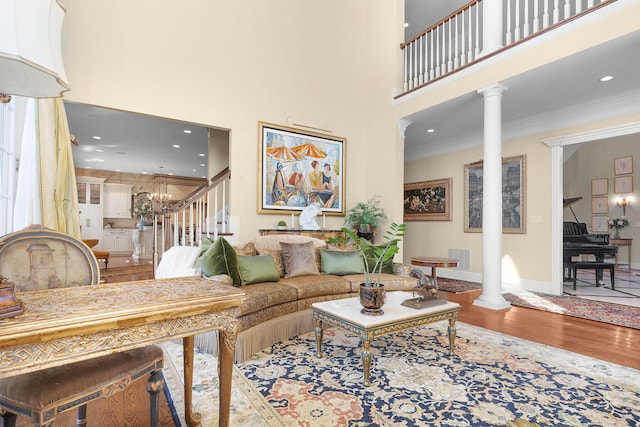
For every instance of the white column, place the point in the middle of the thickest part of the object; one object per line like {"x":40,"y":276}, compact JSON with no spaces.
{"x":492,"y":29}
{"x":492,"y":201}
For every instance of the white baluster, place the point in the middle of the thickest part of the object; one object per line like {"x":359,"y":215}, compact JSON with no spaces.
{"x":556,"y":12}
{"x":589,"y":4}
{"x":415,"y":63}
{"x":225,"y":217}
{"x":426,"y":58}
{"x":470,"y":56}
{"x":578,"y":6}
{"x":456,"y":61}
{"x":450,"y":49}
{"x":431,"y":60}
{"x":463,"y":38}
{"x":509,"y":34}
{"x":516,"y":29}
{"x":536,"y":17}
{"x":567,"y":9}
{"x":526,"y":32}
{"x":406,"y":71}
{"x":545,"y":15}
{"x":437,"y":30}
{"x":477,"y":52}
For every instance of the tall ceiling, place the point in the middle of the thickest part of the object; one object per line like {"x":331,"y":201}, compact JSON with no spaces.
{"x":565,"y":92}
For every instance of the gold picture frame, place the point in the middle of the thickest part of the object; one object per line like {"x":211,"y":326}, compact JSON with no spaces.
{"x":428,"y":200}
{"x":298,"y":168}
{"x":514,"y":196}
{"x":623,"y":184}
{"x":623,"y":165}
{"x":600,"y":205}
{"x":600,"y":186}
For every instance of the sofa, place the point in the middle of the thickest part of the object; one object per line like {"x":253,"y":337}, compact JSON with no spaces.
{"x":282,"y":276}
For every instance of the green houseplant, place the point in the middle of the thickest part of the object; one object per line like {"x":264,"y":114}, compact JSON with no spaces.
{"x":364,"y":217}
{"x":282,"y":225}
{"x":374,"y":257}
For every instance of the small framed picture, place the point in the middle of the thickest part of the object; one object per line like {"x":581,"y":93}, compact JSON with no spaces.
{"x":623,"y":184}
{"x":599,"y":224}
{"x":600,"y":187}
{"x":623,"y":165}
{"x":599,"y":205}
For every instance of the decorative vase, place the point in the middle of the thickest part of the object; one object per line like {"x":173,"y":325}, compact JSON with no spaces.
{"x":141,"y":223}
{"x":372,"y":299}
{"x":616,"y":234}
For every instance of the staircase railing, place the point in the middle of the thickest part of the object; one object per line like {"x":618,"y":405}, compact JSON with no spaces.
{"x":203,"y":213}
{"x":459,"y":39}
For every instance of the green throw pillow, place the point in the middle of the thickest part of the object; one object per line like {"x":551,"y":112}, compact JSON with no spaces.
{"x":341,"y":263}
{"x":387,"y":267}
{"x":256,"y":269}
{"x":219,"y":258}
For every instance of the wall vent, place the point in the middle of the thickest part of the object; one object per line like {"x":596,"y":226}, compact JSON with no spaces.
{"x":463,"y":256}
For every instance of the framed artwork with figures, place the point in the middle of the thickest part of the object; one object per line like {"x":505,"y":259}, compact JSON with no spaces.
{"x":300,"y":168}
{"x":623,"y":184}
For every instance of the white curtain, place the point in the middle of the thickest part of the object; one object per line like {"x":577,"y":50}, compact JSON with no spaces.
{"x":46,"y":189}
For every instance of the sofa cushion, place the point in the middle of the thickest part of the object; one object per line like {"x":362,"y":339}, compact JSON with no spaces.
{"x":262,"y":295}
{"x":341,"y":262}
{"x":277,"y":259}
{"x":257,"y":269}
{"x":317,"y":285}
{"x":247,"y":248}
{"x":299,"y":259}
{"x":219,"y":257}
{"x":391,"y":282}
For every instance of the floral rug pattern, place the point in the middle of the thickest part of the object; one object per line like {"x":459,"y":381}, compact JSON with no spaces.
{"x":623,"y":315}
{"x":492,"y":379}
{"x":454,"y":285}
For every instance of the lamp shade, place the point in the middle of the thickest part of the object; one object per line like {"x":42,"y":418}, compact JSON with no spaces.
{"x":30,"y":48}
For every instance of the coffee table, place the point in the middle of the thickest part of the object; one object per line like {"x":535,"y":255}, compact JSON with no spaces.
{"x":345,"y":314}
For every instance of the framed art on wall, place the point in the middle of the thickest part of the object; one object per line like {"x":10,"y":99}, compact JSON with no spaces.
{"x":298,"y":168}
{"x":623,"y":165}
{"x":599,"y":205}
{"x":599,"y":186}
{"x":599,"y":224}
{"x":514,"y":196}
{"x":623,"y":184}
{"x":428,"y":200}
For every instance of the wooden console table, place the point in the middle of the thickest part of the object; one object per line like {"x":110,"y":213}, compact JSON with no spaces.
{"x":66,"y":325}
{"x":433,"y":262}
{"x":318,"y":234}
{"x":622,"y":242}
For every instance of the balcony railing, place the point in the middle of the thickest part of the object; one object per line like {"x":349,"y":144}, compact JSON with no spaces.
{"x":458,"y":40}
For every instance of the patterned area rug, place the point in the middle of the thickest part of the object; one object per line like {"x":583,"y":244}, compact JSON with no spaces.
{"x":492,"y":379}
{"x":248,"y":407}
{"x":623,"y":315}
{"x":453,"y":285}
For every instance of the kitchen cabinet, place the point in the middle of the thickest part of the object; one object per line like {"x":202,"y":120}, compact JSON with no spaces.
{"x":90,"y":198}
{"x":118,"y":241}
{"x":117,"y":200}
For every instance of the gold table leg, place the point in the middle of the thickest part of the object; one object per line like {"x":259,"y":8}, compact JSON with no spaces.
{"x":319,"y":335}
{"x":366,"y":361}
{"x":192,"y":418}
{"x":226,"y":351}
{"x":452,"y":334}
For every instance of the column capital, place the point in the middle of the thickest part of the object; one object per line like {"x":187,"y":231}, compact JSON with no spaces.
{"x":493,"y":89}
{"x":402,"y":126}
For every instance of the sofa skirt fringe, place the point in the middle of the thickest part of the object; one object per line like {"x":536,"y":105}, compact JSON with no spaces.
{"x":261,"y":336}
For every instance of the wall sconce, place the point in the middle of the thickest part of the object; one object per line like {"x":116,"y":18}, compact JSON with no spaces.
{"x":623,"y":204}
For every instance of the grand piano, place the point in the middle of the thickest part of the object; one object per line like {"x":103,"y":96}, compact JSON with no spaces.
{"x":578,"y":241}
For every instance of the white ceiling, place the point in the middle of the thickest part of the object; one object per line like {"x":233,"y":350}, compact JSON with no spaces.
{"x":566,"y":92}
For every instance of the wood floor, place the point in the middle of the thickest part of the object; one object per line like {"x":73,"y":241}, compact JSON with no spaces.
{"x":604,"y":341}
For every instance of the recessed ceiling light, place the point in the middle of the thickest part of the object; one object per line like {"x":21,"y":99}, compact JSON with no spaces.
{"x":201,"y":154}
{"x":431,"y":130}
{"x":202,"y":164}
{"x":606,"y":78}
{"x":204,"y":177}
{"x":144,"y":173}
{"x":193,"y":170}
{"x":170,"y":173}
{"x":99,"y":151}
{"x":176,"y":145}
{"x":97,"y":137}
{"x":117,"y":170}
{"x":187,"y":131}
{"x":406,"y":24}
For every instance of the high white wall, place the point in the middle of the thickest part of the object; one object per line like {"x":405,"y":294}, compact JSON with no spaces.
{"x":229,"y":64}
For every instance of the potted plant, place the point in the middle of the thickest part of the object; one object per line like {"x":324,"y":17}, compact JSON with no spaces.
{"x":372,"y":293}
{"x":364,"y":217}
{"x":282,"y":225}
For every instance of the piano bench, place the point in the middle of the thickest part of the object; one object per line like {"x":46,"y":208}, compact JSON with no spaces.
{"x":593,"y":266}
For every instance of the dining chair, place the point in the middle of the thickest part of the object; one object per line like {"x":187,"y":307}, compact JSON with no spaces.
{"x":39,"y":258}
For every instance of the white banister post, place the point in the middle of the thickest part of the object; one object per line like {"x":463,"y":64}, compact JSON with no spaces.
{"x":492,"y":28}
{"x":491,"y":296}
